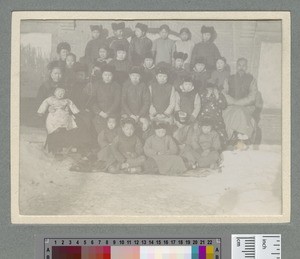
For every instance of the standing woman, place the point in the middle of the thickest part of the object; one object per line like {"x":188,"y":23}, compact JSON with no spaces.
{"x":54,"y":81}
{"x":207,"y":48}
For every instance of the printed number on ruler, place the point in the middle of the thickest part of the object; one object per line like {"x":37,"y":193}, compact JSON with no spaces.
{"x":256,"y":246}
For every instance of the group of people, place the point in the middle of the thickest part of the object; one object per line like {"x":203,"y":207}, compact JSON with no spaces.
{"x":130,"y":104}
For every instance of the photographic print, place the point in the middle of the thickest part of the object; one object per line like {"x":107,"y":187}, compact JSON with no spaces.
{"x":150,"y":117}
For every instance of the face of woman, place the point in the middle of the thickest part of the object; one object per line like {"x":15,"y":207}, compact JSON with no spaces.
{"x":121,"y":55}
{"x":95,"y":34}
{"x":160,"y":132}
{"x":135,"y":78}
{"x":178,"y":63}
{"x":128,"y":130}
{"x":63,"y":54}
{"x":102,"y":53}
{"x":56,"y":74}
{"x":164,"y":34}
{"x":206,"y":36}
{"x":220,"y":64}
{"x":148,"y":62}
{"x":107,"y":77}
{"x":138,"y":32}
{"x":119,"y":33}
{"x":162,"y":78}
{"x":184,"y":36}
{"x":199,"y":67}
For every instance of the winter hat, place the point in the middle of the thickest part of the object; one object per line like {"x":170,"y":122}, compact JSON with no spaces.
{"x":63,"y":45}
{"x":161,"y":70}
{"x":136,"y":70}
{"x":149,"y":54}
{"x":96,"y":28}
{"x":186,"y":30}
{"x":108,"y":68}
{"x":182,"y":117}
{"x":164,"y":27}
{"x":200,"y":60}
{"x":180,"y":55}
{"x":80,"y":67}
{"x":160,"y":125}
{"x":142,"y":27}
{"x":54,"y":64}
{"x":118,"y":26}
{"x":120,"y":47}
{"x":128,"y":120}
{"x":206,"y":121}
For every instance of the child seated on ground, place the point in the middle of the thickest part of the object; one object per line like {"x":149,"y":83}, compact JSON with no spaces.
{"x":59,"y":120}
{"x":213,"y":102}
{"x":162,"y":97}
{"x":106,"y":137}
{"x":127,"y":150}
{"x":206,"y":145}
{"x":162,"y":153}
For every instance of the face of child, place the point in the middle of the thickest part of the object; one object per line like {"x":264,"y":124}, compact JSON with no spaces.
{"x":206,"y":129}
{"x":160,"y":132}
{"x":80,"y":76}
{"x":242,"y":66}
{"x":184,"y":36}
{"x":135,"y":78}
{"x":95,"y":34}
{"x":206,"y":36}
{"x":70,"y":61}
{"x":111,"y":123}
{"x":119,"y":33}
{"x":138,"y":32}
{"x":161,"y":78}
{"x":199,"y":67}
{"x":56,"y":74}
{"x":187,"y":86}
{"x":164,"y":34}
{"x":128,"y":129}
{"x":63,"y":54}
{"x":59,"y":93}
{"x":178,"y":63}
{"x":220,"y":64}
{"x":121,"y":55}
{"x":148,"y":62}
{"x":102,"y":53}
{"x":107,"y":77}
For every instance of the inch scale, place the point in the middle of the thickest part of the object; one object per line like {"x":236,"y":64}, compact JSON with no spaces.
{"x":256,"y":246}
{"x":137,"y":248}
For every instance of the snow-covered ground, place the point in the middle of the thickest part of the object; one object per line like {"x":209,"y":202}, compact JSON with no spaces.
{"x":249,"y":184}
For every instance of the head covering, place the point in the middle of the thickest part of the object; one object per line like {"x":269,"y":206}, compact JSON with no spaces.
{"x":161,"y":70}
{"x":120,"y":47}
{"x":164,"y":27}
{"x":108,"y":68}
{"x":200,"y":60}
{"x":54,"y":64}
{"x":80,"y":67}
{"x":180,"y":55}
{"x":142,"y":27}
{"x":128,"y":120}
{"x":160,"y":125}
{"x":182,"y":117}
{"x":96,"y":28}
{"x":222,"y":58}
{"x":103,"y":46}
{"x":210,"y":84}
{"x":186,"y":30}
{"x":118,"y":26}
{"x":149,"y":54}
{"x":63,"y":45}
{"x":211,"y":30}
{"x":136,"y":69}
{"x":73,"y":55}
{"x":206,"y":121}
{"x":187,"y":78}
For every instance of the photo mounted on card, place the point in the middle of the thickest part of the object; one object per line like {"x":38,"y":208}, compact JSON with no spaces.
{"x":150,"y":117}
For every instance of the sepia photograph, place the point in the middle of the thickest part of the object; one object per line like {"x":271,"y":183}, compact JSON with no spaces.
{"x":150,"y":117}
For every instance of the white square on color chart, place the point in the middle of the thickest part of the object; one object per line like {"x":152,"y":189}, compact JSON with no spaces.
{"x":165,"y":252}
{"x":249,"y":186}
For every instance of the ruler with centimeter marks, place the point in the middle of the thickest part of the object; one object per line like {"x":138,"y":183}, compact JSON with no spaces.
{"x":256,"y":246}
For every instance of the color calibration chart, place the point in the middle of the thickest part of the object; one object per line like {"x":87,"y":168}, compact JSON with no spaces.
{"x":93,"y":248}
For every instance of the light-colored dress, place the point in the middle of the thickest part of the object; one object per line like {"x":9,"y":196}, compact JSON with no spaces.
{"x":58,"y":113}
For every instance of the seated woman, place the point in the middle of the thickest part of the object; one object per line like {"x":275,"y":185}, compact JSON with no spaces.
{"x":162,"y":153}
{"x":240,"y":92}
